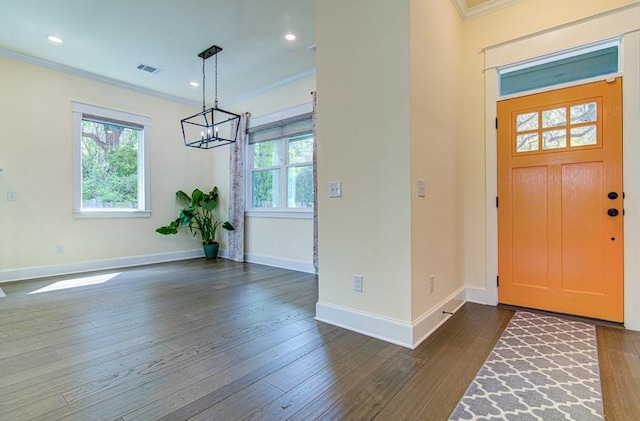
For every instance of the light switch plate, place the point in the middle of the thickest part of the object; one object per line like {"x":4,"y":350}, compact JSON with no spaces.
{"x":335,"y":189}
{"x":421,"y":188}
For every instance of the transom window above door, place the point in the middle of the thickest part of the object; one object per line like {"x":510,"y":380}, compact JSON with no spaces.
{"x":593,"y":61}
{"x":564,"y":126}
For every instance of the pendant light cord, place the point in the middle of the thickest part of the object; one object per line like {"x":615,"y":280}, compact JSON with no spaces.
{"x":203,"y":103}
{"x":216,"y":82}
{"x":204,"y":107}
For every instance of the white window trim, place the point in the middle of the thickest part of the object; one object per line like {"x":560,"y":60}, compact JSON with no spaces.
{"x":283,"y":212}
{"x":144,"y":211}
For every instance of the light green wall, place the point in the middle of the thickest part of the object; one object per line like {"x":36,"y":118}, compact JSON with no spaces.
{"x":363,"y":129}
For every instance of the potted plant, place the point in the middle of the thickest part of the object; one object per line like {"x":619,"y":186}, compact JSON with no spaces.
{"x":199,"y":216}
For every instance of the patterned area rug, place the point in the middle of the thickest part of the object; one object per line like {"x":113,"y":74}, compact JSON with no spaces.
{"x":543,"y":368}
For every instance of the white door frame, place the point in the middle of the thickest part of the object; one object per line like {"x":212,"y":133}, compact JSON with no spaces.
{"x":623,"y":22}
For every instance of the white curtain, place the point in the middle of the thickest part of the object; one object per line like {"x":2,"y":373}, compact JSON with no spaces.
{"x":315,"y":186}
{"x":236,"y":193}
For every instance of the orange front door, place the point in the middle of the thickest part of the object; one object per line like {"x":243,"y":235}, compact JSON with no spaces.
{"x":560,"y":245}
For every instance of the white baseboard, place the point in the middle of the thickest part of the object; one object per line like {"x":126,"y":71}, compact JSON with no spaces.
{"x":69,"y":268}
{"x":482,"y":296}
{"x":433,"y":319}
{"x":383,"y":328}
{"x":390,"y":330}
{"x":280,"y":263}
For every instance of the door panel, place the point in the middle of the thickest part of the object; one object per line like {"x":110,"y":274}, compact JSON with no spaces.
{"x":530,"y":238}
{"x":559,"y":155}
{"x":582,"y":225}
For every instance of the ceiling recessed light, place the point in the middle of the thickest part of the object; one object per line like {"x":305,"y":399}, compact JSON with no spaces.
{"x":54,"y":39}
{"x":194,"y":84}
{"x":290,"y":37}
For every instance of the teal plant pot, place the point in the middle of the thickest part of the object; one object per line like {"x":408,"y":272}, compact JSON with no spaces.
{"x":211,"y":250}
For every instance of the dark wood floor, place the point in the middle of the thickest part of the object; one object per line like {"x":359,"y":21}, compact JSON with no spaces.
{"x":210,"y":340}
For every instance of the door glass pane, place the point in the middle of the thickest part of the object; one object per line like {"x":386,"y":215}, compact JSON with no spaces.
{"x":584,"y":135}
{"x":528,"y":121}
{"x":554,"y":118}
{"x":266,"y":189}
{"x":584,"y":113}
{"x":554,"y":139}
{"x":527,"y":142}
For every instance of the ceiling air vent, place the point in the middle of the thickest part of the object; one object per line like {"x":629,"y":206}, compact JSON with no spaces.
{"x":149,"y":69}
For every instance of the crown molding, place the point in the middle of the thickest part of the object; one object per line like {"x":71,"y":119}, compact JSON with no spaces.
{"x":93,"y":76}
{"x":114,"y":82}
{"x":296,"y":76}
{"x":467,"y":13}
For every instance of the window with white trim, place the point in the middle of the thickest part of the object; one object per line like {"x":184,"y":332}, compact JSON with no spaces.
{"x":280,"y":166}
{"x":110,"y":162}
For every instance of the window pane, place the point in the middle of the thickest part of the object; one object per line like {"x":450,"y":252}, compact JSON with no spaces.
{"x":526,"y":122}
{"x":300,"y":187}
{"x":300,"y":149}
{"x":554,"y":139}
{"x":585,"y":135}
{"x":582,"y":66}
{"x":267,"y":154}
{"x":527,"y":142}
{"x":109,"y":166}
{"x":266,"y":189}
{"x":584,"y":113}
{"x":554,"y":118}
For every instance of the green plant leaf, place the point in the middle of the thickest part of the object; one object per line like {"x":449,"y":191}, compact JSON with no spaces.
{"x":196,"y":197}
{"x":227,"y":225}
{"x":167,"y":230}
{"x":180,"y":195}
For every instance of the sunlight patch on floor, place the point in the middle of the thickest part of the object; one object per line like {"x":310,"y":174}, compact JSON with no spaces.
{"x":2,"y":294}
{"x":77,"y":282}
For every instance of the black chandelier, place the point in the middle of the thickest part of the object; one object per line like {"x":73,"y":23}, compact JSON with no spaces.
{"x":212,"y":127}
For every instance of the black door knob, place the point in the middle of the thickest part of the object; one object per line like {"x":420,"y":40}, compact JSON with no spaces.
{"x":612,"y":195}
{"x":612,"y":212}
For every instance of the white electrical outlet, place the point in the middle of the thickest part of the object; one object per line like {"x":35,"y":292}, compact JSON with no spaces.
{"x":357,"y":283}
{"x":59,"y":248}
{"x":11,"y":196}
{"x":431,"y":283}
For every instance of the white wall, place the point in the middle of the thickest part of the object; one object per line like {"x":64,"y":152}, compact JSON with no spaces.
{"x":436,"y":135}
{"x":36,"y":154}
{"x":363,"y":128}
{"x":39,"y":170}
{"x":502,"y":28}
{"x":281,"y":242}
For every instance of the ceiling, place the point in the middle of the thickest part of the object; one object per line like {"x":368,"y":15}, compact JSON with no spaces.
{"x":109,"y":39}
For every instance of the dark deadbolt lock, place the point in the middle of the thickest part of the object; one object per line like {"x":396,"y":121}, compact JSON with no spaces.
{"x":612,"y":195}
{"x":612,"y":212}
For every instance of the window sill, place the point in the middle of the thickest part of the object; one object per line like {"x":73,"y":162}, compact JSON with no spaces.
{"x":287,"y":214}
{"x":87,"y":214}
